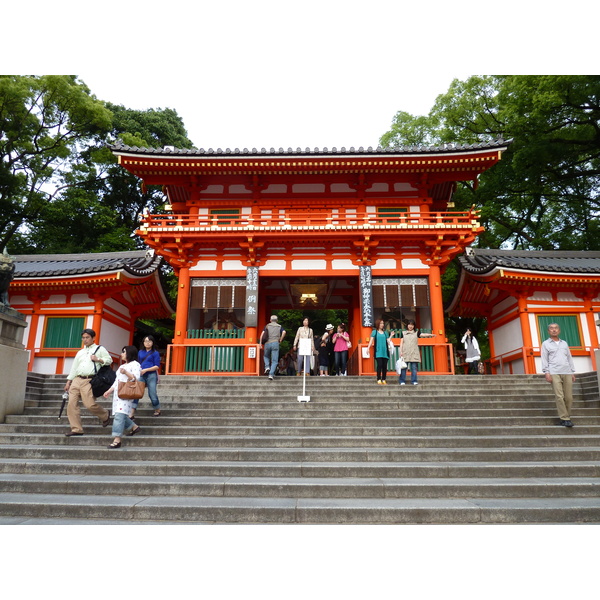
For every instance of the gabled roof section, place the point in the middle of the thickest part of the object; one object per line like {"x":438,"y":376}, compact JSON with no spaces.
{"x":435,"y":165}
{"x":499,"y":144}
{"x":139,"y":263}
{"x":480,"y":262}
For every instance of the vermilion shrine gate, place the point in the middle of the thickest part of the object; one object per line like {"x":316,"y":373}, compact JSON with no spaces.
{"x":252,"y":232}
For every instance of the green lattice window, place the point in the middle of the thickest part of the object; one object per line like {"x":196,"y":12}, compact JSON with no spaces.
{"x":569,"y":328}
{"x":389,"y":214}
{"x":222,"y":215}
{"x":63,"y":332}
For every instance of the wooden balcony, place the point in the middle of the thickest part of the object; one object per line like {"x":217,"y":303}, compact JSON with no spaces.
{"x":296,"y":225}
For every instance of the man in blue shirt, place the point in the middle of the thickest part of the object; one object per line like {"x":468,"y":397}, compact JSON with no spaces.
{"x":557,"y":365}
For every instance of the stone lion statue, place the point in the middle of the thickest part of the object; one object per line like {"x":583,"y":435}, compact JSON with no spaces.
{"x":7,"y":270}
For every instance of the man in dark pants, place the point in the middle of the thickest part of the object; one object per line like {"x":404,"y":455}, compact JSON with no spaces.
{"x":79,"y":382}
{"x":557,"y":364}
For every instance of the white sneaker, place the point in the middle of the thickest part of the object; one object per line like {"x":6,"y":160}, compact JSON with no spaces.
{"x":402,"y":384}
{"x":416,"y":383}
{"x":271,"y":377}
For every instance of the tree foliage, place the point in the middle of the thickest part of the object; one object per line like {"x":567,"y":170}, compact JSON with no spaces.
{"x":44,"y":123}
{"x":544,"y":193}
{"x":61,"y":190}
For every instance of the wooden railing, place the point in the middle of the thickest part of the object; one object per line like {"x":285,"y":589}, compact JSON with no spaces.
{"x":505,"y":363}
{"x":310,"y":221}
{"x":217,"y":359}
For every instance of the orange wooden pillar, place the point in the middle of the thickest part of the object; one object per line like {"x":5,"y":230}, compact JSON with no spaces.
{"x":33,"y":331}
{"x":437,"y":318}
{"x":526,"y":331}
{"x":181,"y":320}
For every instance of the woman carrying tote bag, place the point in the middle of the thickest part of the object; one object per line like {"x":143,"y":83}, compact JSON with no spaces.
{"x":121,"y":408}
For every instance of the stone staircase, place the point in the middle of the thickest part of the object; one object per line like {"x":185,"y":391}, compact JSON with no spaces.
{"x":455,"y":449}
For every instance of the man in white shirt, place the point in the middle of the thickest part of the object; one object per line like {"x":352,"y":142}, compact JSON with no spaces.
{"x":79,"y":382}
{"x":557,"y":364}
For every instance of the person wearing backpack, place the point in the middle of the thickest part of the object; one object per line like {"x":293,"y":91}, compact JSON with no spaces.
{"x":272,"y":336}
{"x":79,"y":384}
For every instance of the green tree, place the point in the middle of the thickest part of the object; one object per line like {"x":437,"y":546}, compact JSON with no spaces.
{"x":100,"y":203}
{"x":44,"y":122}
{"x":544,"y":193}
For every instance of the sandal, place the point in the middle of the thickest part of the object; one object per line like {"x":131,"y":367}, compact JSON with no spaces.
{"x":114,"y":445}
{"x":156,"y":413}
{"x":132,"y":415}
{"x":134,"y":431}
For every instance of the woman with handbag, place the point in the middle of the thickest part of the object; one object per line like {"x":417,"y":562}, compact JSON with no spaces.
{"x":149,"y":360}
{"x":121,"y":408}
{"x":379,"y":338}
{"x":341,"y":343}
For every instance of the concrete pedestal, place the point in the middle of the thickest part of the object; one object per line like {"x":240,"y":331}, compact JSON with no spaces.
{"x":13,"y":363}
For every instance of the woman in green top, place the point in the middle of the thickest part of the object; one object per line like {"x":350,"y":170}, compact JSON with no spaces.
{"x":380,"y":338}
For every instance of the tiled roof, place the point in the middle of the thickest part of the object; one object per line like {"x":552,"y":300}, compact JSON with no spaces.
{"x":137,"y":262}
{"x":480,"y":261}
{"x":444,"y":148}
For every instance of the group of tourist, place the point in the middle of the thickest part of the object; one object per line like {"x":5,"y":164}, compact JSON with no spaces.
{"x":330,"y":348}
{"x":144,"y":365}
{"x":136,"y":366}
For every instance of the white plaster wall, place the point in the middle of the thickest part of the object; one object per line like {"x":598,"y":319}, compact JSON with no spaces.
{"x":541,"y":296}
{"x":233,"y":265}
{"x":47,"y":365}
{"x":518,"y":367}
{"x":275,"y":265}
{"x":206,"y":265}
{"x":585,"y":330}
{"x":313,"y":265}
{"x":113,"y":337}
{"x":567,"y":297}
{"x":413,"y":263}
{"x":583,"y":364}
{"x":508,"y":337}
{"x":343,"y":264}
{"x":535,"y":338}
{"x":82,"y":299}
{"x":384,"y":263}
{"x":506,"y":304}
{"x":116,"y":306}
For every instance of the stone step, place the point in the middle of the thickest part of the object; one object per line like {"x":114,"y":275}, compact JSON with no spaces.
{"x":302,"y":413}
{"x":194,"y":440}
{"x":95,"y":449}
{"x":302,"y":510}
{"x":449,"y":469}
{"x":243,"y":450}
{"x":299,"y":487}
{"x":588,"y":427}
{"x":507,"y":423}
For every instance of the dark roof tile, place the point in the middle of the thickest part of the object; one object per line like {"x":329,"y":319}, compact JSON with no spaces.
{"x":499,"y":143}
{"x":481,"y":261}
{"x":137,"y":262}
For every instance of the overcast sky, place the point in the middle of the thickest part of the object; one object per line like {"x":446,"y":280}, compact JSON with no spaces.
{"x":268,"y":73}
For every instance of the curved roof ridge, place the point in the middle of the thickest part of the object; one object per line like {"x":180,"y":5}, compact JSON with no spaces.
{"x":135,"y":262}
{"x":481,"y":261}
{"x":449,"y":147}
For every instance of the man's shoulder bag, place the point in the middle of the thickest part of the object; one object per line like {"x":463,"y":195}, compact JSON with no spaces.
{"x":103,"y":379}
